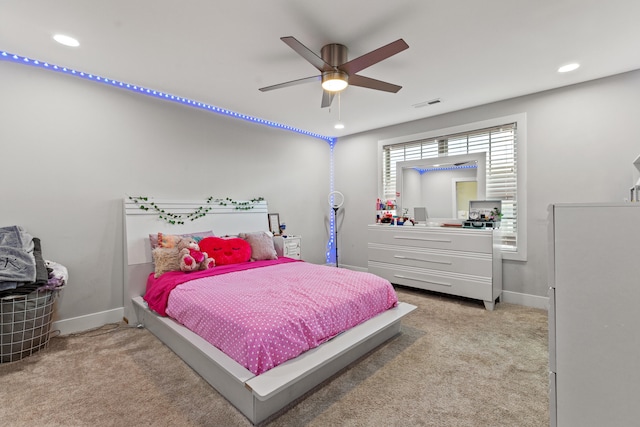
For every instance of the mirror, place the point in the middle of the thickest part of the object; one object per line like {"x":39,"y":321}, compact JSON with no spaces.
{"x":465,"y":191}
{"x":443,"y":185}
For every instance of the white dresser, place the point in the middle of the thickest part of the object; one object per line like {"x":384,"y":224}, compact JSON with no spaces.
{"x":463,"y":262}
{"x":594,"y":315}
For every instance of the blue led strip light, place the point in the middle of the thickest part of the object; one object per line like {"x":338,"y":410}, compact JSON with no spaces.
{"x":331,"y":245}
{"x":150,"y":92}
{"x":447,"y":168}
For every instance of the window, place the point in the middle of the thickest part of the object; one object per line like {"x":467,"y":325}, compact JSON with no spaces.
{"x":500,"y":142}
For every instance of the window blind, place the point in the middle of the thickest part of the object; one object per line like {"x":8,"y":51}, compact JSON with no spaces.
{"x":499,"y":144}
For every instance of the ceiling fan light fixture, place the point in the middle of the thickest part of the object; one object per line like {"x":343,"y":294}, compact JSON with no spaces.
{"x":335,"y":81}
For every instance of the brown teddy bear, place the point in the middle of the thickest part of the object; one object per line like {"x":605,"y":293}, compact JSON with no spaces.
{"x":191,"y":257}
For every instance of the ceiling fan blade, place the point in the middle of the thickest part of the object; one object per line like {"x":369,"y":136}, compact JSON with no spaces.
{"x":306,"y":53}
{"x":368,"y":82}
{"x":373,"y":57}
{"x":291,"y":83}
{"x":327,"y":98}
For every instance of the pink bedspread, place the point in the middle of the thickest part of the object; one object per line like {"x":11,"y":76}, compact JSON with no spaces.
{"x":262,"y":317}
{"x":158,"y":290}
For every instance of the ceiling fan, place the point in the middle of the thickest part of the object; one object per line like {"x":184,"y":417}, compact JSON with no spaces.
{"x":337,"y":72}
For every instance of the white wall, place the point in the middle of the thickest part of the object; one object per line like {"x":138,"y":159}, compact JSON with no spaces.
{"x":582,"y":140}
{"x":71,"y":151}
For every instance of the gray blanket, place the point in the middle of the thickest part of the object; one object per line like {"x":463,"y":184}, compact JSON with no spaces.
{"x":17,"y":262}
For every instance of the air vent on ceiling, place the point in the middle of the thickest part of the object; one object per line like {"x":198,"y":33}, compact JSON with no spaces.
{"x":425,"y":103}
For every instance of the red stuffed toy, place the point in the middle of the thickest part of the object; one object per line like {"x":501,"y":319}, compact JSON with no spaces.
{"x":226,"y":251}
{"x":192,"y":257}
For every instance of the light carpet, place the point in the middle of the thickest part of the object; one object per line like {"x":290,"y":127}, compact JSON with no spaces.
{"x":454,"y":364}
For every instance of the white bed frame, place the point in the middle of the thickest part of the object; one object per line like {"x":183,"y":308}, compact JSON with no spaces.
{"x":257,"y":397}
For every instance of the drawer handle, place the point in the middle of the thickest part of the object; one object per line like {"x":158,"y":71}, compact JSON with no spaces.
{"x":423,"y":260}
{"x":399,"y":276}
{"x":423,"y":239}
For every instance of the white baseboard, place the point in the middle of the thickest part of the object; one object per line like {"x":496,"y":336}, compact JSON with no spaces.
{"x":525,"y":299}
{"x":87,"y":322}
{"x":352,"y":267}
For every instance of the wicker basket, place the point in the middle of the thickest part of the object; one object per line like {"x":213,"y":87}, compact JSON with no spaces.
{"x":25,"y":322}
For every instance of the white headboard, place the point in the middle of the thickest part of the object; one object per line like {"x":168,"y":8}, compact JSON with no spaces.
{"x":139,"y":223}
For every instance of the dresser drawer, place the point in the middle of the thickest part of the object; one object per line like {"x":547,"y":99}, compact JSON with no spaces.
{"x":435,"y":238}
{"x":474,"y":263}
{"x":433,"y":280}
{"x":292,"y":253}
{"x":292,"y":247}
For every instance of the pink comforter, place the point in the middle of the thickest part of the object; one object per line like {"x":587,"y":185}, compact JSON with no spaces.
{"x":158,"y":290}
{"x":262,"y":317}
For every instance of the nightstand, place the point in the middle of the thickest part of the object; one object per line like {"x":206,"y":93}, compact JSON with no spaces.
{"x":292,"y":247}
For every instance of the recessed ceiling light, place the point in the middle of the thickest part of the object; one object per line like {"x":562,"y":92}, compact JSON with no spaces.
{"x":66,"y":40}
{"x":339,"y":125}
{"x":568,"y":67}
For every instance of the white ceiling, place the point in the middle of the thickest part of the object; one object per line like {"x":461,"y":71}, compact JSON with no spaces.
{"x":465,"y":52}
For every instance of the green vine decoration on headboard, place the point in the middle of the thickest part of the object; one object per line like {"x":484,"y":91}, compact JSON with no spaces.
{"x":199,"y":212}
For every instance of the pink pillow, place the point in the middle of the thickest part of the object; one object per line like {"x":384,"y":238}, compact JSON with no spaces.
{"x":226,"y":251}
{"x":262,"y":246}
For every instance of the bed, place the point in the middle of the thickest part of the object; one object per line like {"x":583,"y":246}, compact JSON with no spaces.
{"x":258,"y":392}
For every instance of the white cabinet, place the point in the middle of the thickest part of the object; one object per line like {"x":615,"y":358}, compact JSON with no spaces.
{"x":594,"y":314}
{"x":449,"y":260}
{"x":292,"y":247}
{"x":288,"y":246}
